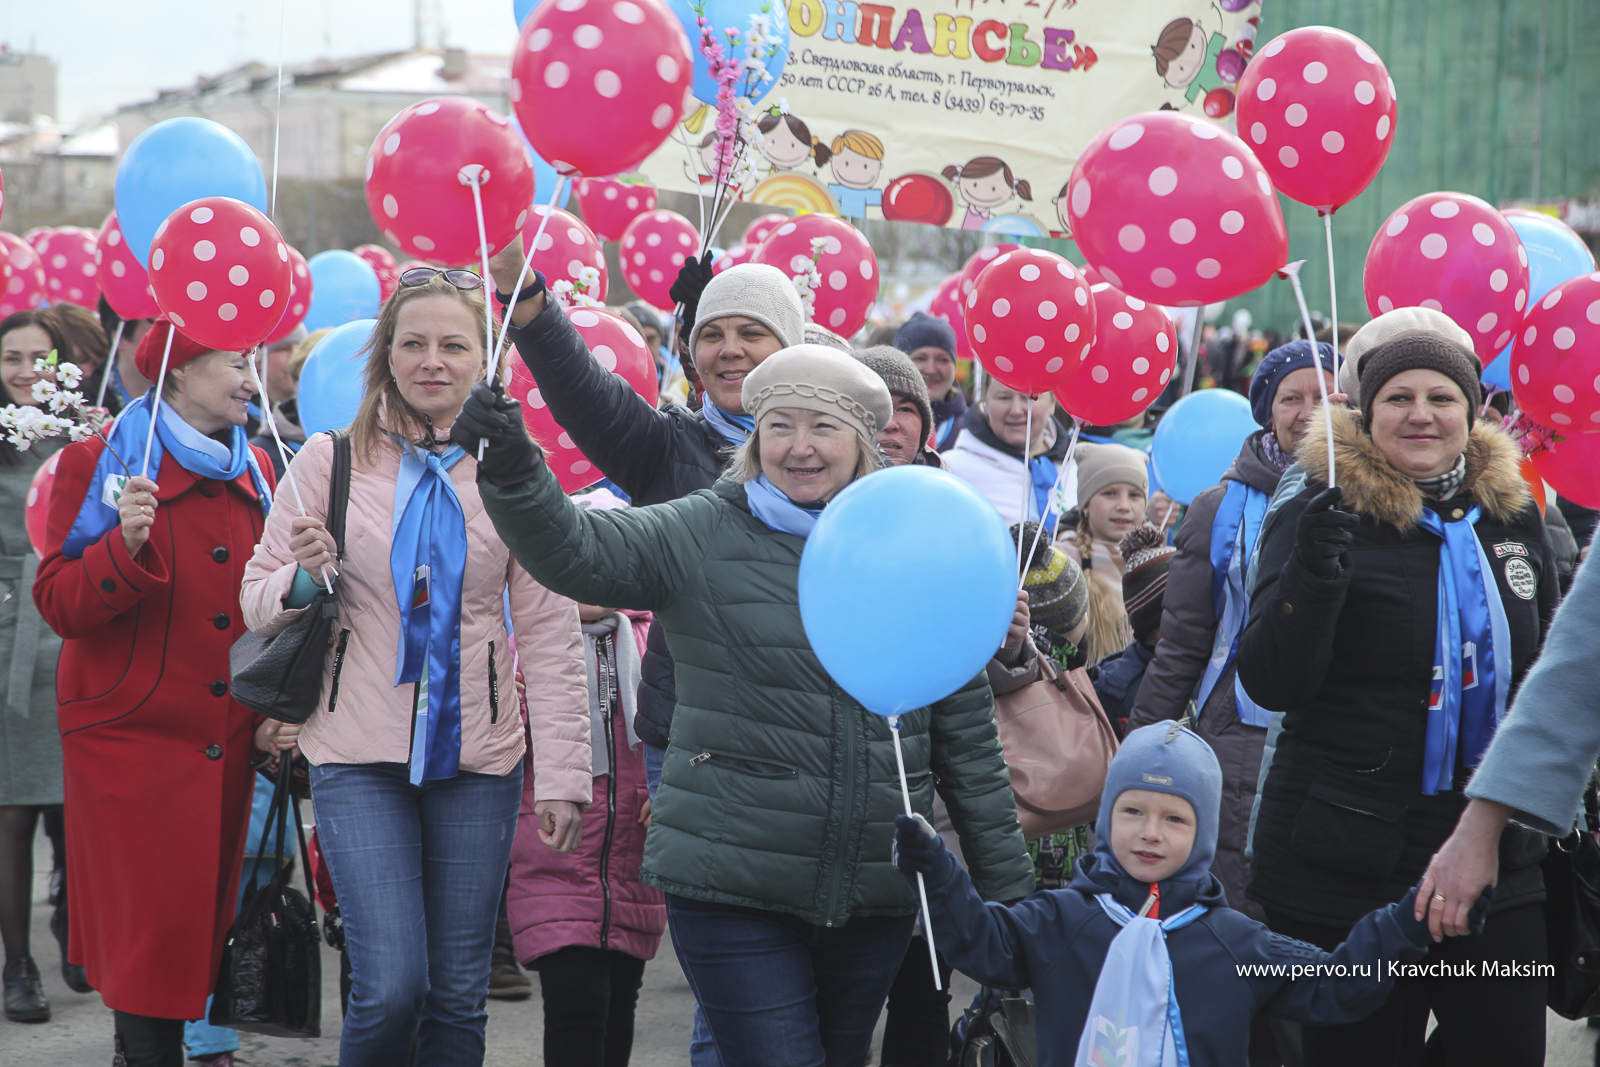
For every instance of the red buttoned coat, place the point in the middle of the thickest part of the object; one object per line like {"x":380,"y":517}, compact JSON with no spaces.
{"x":156,"y":752}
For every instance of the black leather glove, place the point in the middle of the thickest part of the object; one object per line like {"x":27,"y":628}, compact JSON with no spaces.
{"x":693,"y":278}
{"x":491,"y":417}
{"x":1324,"y":534}
{"x":916,"y":845}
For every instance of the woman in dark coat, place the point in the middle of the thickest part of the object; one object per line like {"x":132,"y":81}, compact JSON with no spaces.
{"x":1391,"y":632}
{"x":157,"y":755}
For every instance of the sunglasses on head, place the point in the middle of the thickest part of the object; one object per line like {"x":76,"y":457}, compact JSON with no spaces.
{"x":464,"y":280}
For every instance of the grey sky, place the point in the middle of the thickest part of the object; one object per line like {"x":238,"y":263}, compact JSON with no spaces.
{"x":111,"y":52}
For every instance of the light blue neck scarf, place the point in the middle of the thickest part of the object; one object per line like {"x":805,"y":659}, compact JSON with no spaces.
{"x":1471,"y":656}
{"x":1133,"y":1019}
{"x":196,"y":452}
{"x":733,"y":428}
{"x":1234,"y":533}
{"x":428,"y":558}
{"x":776,"y":511}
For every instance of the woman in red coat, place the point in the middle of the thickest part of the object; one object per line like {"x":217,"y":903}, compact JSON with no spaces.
{"x":141,"y":579}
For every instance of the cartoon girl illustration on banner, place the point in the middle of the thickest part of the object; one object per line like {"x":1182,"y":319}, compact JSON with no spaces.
{"x":985,"y":183}
{"x":857,"y":166}
{"x":787,"y":142}
{"x":1060,"y":204}
{"x":1186,"y":57}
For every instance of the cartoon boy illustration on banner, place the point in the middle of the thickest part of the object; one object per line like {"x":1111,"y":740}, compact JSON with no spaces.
{"x":857,"y":166}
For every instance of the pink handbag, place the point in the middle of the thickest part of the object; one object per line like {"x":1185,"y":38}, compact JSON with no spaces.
{"x":1058,"y":744}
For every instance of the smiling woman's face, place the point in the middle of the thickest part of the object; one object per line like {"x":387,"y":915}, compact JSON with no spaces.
{"x":437,"y":355}
{"x":1419,"y":423}
{"x":725,"y":351}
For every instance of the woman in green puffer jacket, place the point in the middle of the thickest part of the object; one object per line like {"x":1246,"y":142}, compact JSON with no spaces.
{"x":771,"y":832}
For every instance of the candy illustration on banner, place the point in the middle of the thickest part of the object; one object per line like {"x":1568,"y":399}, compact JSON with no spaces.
{"x":176,"y":162}
{"x":1453,"y":253}
{"x":923,"y":198}
{"x":221,"y":272}
{"x":1555,"y":366}
{"x":299,"y":296}
{"x":25,"y":283}
{"x":652,"y":251}
{"x":70,"y":269}
{"x":420,"y":175}
{"x":1135,"y":353}
{"x":596,"y":110}
{"x":566,"y":248}
{"x":123,"y":278}
{"x":1175,"y":210}
{"x":344,"y":288}
{"x":609,"y":204}
{"x":847,"y":266}
{"x":1031,"y":320}
{"x":1318,"y":107}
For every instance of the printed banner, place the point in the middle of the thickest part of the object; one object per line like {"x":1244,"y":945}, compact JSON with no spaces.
{"x":966,"y":113}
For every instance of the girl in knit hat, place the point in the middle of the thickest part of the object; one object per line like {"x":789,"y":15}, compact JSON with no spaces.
{"x":1112,"y":487}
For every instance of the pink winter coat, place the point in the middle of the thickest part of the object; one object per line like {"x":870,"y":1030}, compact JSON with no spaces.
{"x":362,"y":716}
{"x":592,"y":895}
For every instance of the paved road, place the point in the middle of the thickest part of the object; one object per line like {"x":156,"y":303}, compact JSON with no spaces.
{"x":79,"y":1035}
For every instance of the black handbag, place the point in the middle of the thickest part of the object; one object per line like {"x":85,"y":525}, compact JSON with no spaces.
{"x":1572,"y":918}
{"x":270,"y":982}
{"x":281,"y":676}
{"x":997,"y":1031}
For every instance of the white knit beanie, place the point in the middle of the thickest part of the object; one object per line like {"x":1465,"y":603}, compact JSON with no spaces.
{"x":757,"y":291}
{"x":1386,"y":327}
{"x":819,"y":378}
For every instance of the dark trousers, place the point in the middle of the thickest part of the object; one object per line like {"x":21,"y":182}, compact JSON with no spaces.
{"x":589,"y":997}
{"x":916,"y":1029}
{"x":144,"y":1041}
{"x":1495,"y":1022}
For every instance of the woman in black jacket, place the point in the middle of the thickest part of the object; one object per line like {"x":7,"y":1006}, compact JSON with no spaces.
{"x":1353,"y":633}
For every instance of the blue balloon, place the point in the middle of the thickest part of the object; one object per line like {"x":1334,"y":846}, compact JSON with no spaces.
{"x":521,"y":9}
{"x":344,"y":288}
{"x":1197,"y":438}
{"x":734,"y":15}
{"x":855,"y":562}
{"x":544,"y":175}
{"x":174,"y":163}
{"x":1555,"y":255}
{"x":331,"y":381}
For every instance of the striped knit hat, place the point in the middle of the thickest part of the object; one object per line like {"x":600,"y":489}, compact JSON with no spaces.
{"x":1058,"y":595}
{"x":1144,"y":581}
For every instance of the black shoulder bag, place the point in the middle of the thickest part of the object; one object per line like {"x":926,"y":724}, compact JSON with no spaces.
{"x":1572,"y":917}
{"x":270,"y":981}
{"x":281,"y":676}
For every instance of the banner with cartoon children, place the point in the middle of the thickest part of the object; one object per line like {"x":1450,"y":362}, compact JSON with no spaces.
{"x":961,"y":113}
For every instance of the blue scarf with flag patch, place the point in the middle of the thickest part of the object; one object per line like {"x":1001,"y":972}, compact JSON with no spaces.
{"x":194,"y":451}
{"x":1471,"y":657}
{"x":1234,"y":533}
{"x":1134,"y":1019}
{"x":428,"y":559}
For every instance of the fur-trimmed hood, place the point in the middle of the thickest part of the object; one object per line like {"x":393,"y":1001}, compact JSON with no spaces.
{"x":1373,"y":488}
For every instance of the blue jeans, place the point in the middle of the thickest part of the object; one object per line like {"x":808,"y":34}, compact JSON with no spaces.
{"x":418,"y":873}
{"x":782,"y":992}
{"x":702,"y":1050}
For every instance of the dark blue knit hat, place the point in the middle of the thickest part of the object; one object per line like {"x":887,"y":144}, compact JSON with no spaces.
{"x":1166,"y":758}
{"x":923,"y":330}
{"x":1274,"y":367}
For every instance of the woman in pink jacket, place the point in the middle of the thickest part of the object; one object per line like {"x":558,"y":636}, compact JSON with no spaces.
{"x":583,"y":919}
{"x":417,"y":768}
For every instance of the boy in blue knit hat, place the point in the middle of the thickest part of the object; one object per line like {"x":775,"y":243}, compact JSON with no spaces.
{"x":1140,"y":962}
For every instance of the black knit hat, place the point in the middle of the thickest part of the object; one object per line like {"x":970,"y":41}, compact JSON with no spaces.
{"x":1420,"y":350}
{"x":1058,"y":594}
{"x":1144,"y":581}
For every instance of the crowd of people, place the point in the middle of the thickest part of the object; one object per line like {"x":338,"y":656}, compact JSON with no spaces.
{"x":554,"y":727}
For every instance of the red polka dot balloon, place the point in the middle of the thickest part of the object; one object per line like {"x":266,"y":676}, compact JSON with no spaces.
{"x":598,"y":84}
{"x":609,"y":205}
{"x":1453,"y":253}
{"x":1135,"y":352}
{"x":37,"y":236}
{"x":122,"y":278}
{"x":70,"y":271}
{"x":419,"y":179}
{"x":1176,"y":210}
{"x":36,"y":512}
{"x":732,"y":258}
{"x":1555,"y":366}
{"x":1031,"y":320}
{"x":383,"y":264}
{"x":25,"y":288}
{"x":1318,"y":107}
{"x":618,"y":347}
{"x":221,"y":273}
{"x":652,"y":251}
{"x":979,"y":260}
{"x":1572,"y":466}
{"x":299,"y":295}
{"x":566,"y":247}
{"x":762,"y":228}
{"x":947,"y":304}
{"x":848,"y":267}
